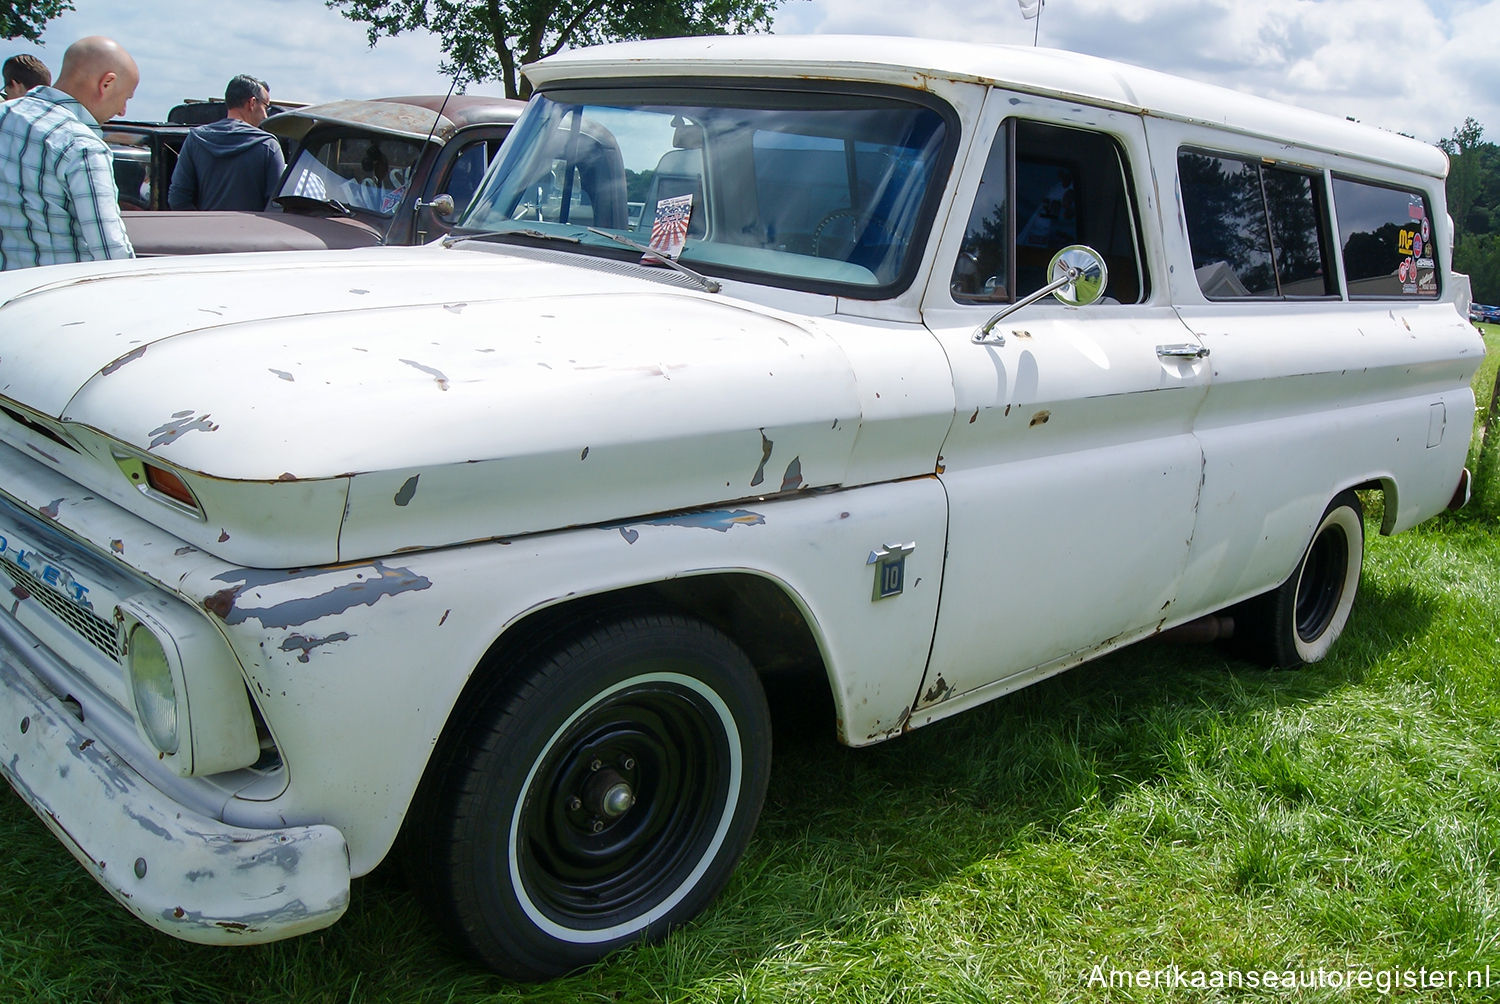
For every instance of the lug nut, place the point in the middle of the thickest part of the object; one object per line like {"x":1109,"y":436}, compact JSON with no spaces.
{"x":598,"y":826}
{"x":596,"y":765}
{"x":575,"y":803}
{"x":628,"y":763}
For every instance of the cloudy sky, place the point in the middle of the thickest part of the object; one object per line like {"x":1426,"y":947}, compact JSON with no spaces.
{"x":1418,"y":66}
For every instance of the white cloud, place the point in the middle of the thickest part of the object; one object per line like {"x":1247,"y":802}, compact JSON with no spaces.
{"x":306,"y":52}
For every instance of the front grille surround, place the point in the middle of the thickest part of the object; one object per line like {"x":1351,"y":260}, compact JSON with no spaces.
{"x":104,"y":635}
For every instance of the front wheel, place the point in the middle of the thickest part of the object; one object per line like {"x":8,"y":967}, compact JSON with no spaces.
{"x":1299,"y":621}
{"x":604,"y":800}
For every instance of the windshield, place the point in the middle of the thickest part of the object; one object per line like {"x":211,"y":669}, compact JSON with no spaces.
{"x":814,"y":190}
{"x":367,"y":171}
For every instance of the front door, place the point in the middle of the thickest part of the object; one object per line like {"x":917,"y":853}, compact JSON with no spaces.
{"x":1071,"y":468}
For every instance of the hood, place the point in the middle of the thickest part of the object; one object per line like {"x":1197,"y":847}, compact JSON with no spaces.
{"x":545,"y":394}
{"x":229,"y":137}
{"x":174,"y":232}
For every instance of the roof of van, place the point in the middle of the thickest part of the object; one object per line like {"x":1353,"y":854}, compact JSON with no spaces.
{"x":915,"y":62}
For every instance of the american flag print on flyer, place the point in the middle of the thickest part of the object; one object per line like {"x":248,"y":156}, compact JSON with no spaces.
{"x":669,"y":228}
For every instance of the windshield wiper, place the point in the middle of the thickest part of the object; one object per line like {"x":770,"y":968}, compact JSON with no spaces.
{"x":709,"y":285}
{"x":453,"y":239}
{"x":290,"y":202}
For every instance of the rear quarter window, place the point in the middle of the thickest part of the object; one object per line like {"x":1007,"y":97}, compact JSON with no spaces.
{"x":1385,"y":237}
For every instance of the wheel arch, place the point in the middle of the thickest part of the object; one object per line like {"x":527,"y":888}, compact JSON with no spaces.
{"x":1385,"y":486}
{"x":760,"y":614}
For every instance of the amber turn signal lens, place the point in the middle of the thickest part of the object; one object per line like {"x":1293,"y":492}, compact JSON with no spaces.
{"x":170,"y":485}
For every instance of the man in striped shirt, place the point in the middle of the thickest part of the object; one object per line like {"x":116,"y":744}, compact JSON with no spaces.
{"x":58,"y":200}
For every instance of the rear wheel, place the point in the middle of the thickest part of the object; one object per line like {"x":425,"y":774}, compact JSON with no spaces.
{"x":604,"y":800}
{"x":1299,"y":621}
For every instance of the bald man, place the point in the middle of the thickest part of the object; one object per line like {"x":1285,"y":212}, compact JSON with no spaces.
{"x":58,"y":200}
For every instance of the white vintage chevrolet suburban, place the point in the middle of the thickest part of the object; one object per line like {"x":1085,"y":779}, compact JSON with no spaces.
{"x":937,"y":367}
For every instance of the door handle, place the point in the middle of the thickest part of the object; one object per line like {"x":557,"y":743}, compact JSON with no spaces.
{"x":1187,"y":350}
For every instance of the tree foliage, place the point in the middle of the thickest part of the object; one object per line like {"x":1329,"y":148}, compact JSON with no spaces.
{"x":1474,"y":204}
{"x":26,"y":18}
{"x":493,"y":39}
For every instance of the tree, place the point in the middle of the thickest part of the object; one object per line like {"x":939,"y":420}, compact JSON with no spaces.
{"x":26,"y":18}
{"x":1474,"y":203}
{"x":490,"y":39}
{"x":1473,"y":179}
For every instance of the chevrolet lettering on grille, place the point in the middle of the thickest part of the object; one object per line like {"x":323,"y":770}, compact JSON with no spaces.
{"x":24,"y":561}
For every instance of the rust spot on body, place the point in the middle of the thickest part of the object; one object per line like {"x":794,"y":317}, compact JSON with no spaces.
{"x":124,"y":360}
{"x":182,"y":423}
{"x":792,"y":479}
{"x":295,"y":642}
{"x":221,"y":603}
{"x":937,"y":692}
{"x":765,"y":454}
{"x":437,"y":375}
{"x":373,"y":582}
{"x":1040,"y":418}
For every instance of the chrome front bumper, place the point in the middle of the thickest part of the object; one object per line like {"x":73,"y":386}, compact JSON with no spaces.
{"x":182,"y":872}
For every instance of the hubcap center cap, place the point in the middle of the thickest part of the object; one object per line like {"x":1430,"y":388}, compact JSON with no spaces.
{"x":618,"y":800}
{"x":608,"y":794}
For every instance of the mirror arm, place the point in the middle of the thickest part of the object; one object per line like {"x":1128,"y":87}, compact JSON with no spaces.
{"x":442,"y":205}
{"x":985,"y":335}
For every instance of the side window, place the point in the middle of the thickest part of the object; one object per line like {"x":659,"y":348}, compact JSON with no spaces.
{"x":1045,"y":187}
{"x":1386,"y":238}
{"x":1255,"y":229}
{"x":465,"y":173}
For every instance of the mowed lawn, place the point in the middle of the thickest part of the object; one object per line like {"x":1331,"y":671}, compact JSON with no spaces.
{"x":1165,"y":806}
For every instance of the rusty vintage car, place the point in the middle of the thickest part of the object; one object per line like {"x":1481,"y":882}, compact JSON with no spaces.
{"x":360,"y":172}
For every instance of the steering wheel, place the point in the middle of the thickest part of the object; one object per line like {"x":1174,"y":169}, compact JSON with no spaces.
{"x":841,"y":244}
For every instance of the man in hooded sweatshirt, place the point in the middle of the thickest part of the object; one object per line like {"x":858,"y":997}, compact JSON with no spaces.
{"x":231,"y":163}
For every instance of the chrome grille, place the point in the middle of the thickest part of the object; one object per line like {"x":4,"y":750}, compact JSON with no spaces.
{"x":102,"y":634}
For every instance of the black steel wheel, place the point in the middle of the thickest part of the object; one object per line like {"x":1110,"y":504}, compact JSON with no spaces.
{"x":1299,"y":621}
{"x":604,"y":800}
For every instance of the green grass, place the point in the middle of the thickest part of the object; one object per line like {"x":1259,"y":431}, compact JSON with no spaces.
{"x":1163,"y":806}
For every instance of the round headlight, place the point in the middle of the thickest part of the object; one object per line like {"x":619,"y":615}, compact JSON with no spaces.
{"x":152,"y":688}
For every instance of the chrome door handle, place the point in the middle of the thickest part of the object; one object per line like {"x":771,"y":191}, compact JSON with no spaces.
{"x":1190,"y":350}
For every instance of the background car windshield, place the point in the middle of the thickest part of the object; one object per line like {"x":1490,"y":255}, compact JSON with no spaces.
{"x":811,"y":189}
{"x":363,"y":171}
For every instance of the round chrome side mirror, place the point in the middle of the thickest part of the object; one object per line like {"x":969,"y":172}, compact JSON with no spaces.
{"x":1078,"y":276}
{"x":442,"y":205}
{"x":1083,"y":273}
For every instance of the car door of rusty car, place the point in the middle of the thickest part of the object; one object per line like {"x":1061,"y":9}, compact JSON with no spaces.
{"x":1071,"y":469}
